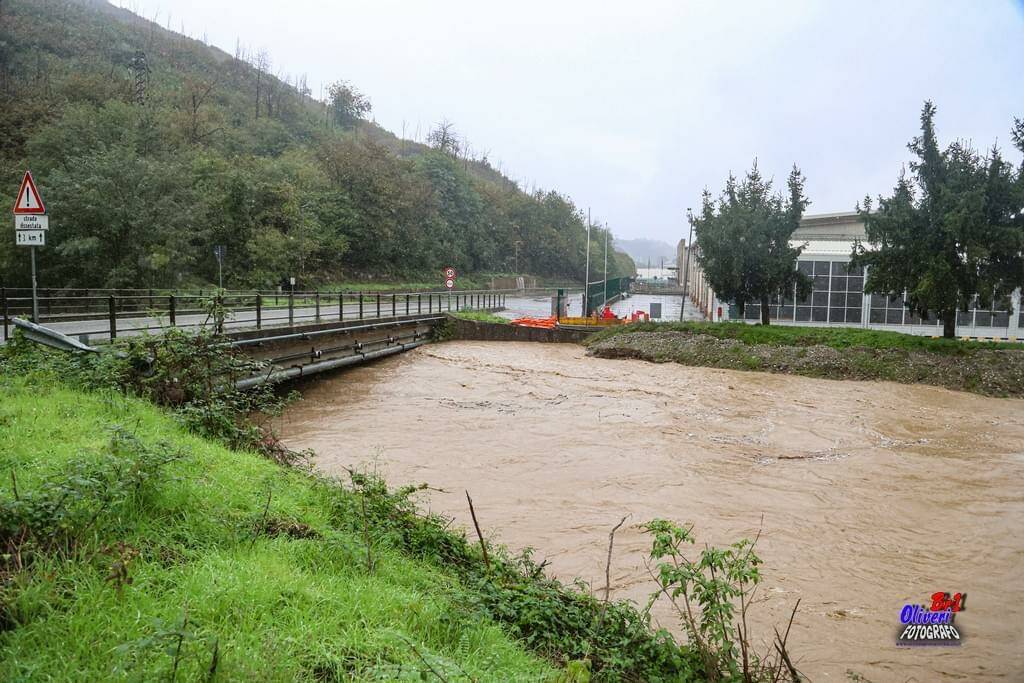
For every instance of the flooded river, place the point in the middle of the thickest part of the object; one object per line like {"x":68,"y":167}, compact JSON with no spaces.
{"x":873,"y":495}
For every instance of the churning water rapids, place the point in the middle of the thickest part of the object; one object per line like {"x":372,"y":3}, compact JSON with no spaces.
{"x":873,"y":495}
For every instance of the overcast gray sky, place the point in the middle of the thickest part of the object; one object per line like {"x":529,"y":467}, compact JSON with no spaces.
{"x":632,"y":108}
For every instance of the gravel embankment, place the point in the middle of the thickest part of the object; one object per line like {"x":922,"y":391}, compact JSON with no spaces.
{"x":988,"y":372}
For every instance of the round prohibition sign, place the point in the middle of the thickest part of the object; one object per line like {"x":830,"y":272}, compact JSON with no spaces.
{"x":450,"y":273}
{"x":449,"y":283}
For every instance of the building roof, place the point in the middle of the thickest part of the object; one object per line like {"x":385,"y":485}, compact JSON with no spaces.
{"x":826,"y":247}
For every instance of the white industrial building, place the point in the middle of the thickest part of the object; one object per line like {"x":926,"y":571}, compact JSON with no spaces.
{"x":838,"y":298}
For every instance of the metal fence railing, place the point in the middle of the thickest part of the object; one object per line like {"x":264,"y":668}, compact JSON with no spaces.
{"x":107,"y":313}
{"x":601,"y":292}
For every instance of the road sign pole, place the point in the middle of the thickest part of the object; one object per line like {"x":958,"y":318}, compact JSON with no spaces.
{"x":35,"y":297}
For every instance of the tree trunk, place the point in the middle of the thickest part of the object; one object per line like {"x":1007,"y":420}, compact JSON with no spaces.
{"x":949,"y":324}
{"x":764,"y":311}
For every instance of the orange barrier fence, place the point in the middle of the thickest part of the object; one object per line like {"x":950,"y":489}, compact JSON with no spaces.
{"x":543,"y":323}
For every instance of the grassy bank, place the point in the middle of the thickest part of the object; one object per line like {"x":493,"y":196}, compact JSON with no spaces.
{"x":480,"y":317}
{"x":270,"y":590}
{"x":837,"y":353}
{"x":134,"y":549}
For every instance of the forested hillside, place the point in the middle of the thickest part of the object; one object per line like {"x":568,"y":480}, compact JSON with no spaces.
{"x":150,"y":147}
{"x":645,"y":251}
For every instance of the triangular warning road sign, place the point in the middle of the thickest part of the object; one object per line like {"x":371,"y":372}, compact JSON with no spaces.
{"x":29,"y":200}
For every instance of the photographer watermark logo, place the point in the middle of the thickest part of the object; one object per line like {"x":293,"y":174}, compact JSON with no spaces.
{"x":933,"y":625}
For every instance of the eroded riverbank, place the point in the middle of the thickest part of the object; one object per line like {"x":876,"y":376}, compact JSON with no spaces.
{"x":873,"y":494}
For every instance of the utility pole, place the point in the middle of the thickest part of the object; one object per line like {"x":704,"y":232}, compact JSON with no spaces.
{"x":586,"y":282}
{"x":605,"y":265}
{"x":686,"y":268}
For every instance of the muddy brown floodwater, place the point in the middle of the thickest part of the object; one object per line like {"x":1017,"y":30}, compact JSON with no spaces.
{"x":873,"y":495}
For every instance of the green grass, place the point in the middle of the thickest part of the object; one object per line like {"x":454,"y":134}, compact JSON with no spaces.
{"x":787,"y":335}
{"x":277,"y":607}
{"x":480,"y":317}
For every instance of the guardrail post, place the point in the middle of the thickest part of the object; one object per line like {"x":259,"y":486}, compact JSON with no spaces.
{"x":316,"y":299}
{"x":341,"y":305}
{"x":430,"y":303}
{"x":170,"y":310}
{"x":378,"y":304}
{"x":259,"y":310}
{"x":394,"y":305}
{"x":3,"y":299}
{"x":291,"y":308}
{"x":407,"y":304}
{"x":221,"y":313}
{"x":457,"y":303}
{"x":360,"y":305}
{"x":112,"y":312}
{"x":419,"y":303}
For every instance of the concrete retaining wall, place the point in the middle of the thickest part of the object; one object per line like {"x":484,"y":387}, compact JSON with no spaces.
{"x":479,"y":331}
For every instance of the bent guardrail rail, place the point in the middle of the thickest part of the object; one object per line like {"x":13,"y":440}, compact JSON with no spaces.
{"x":51,"y":338}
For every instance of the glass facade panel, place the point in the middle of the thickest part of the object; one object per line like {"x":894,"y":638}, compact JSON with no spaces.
{"x":837,"y":296}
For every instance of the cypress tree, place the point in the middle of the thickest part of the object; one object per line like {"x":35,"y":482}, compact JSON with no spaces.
{"x":951,"y":234}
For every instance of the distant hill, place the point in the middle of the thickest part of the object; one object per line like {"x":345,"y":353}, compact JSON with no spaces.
{"x":642,"y":250}
{"x":150,"y":147}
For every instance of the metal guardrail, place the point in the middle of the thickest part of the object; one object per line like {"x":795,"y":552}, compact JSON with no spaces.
{"x":112,"y":314}
{"x":51,"y":338}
